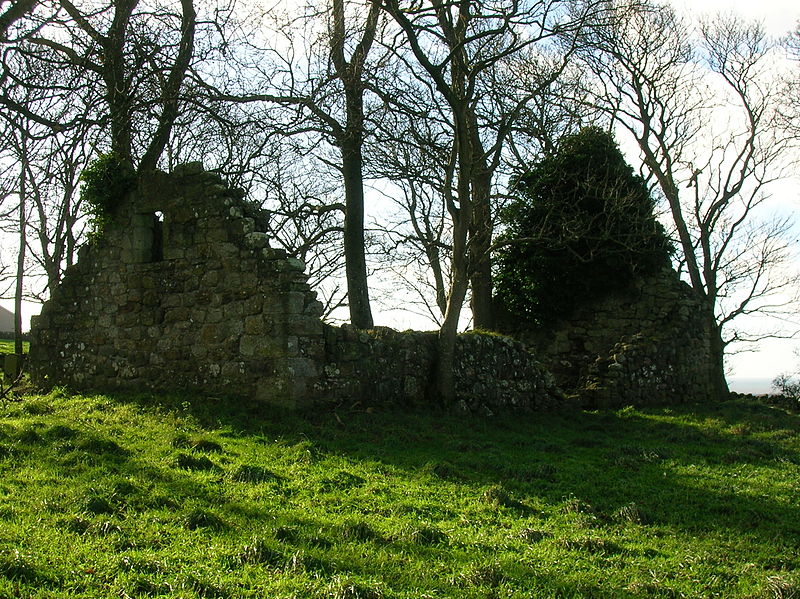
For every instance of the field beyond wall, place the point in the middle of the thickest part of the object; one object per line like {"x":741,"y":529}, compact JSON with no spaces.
{"x":156,"y":496}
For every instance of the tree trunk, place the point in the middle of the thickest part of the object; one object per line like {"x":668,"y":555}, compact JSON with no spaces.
{"x":23,"y":223}
{"x":117,"y":84}
{"x":480,"y":260}
{"x":719,"y":385}
{"x":351,"y":140}
{"x":170,"y":93}
{"x":446,"y":346}
{"x":354,"y":251}
{"x":434,"y":259}
{"x":462,"y":219}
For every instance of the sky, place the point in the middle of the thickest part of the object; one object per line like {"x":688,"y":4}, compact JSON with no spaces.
{"x":773,"y":356}
{"x":779,"y":17}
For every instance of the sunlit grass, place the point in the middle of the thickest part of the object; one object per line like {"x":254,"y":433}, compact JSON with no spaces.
{"x":7,"y":346}
{"x":107,"y":497}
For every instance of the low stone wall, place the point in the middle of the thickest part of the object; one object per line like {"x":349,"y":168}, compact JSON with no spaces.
{"x":385,"y":367}
{"x":644,"y":345}
{"x":642,"y":370}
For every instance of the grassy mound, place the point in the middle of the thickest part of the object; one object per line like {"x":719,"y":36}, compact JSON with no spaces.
{"x":109,"y":497}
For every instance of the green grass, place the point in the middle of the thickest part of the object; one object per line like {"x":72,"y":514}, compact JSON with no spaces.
{"x":7,"y":346}
{"x":109,"y":497}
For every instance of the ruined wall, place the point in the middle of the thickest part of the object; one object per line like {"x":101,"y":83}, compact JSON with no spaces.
{"x":646,"y":344}
{"x":183,"y":293}
{"x":493,"y":373}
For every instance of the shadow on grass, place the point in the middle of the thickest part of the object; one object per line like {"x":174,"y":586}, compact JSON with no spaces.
{"x":653,"y":458}
{"x":645,"y":466}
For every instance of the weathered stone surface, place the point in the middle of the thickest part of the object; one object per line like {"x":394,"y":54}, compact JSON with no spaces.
{"x":216,"y":311}
{"x":189,"y":317}
{"x":386,"y":367}
{"x":645,"y":345}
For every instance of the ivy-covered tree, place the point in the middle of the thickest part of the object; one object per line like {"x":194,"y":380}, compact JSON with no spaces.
{"x":582,"y":225}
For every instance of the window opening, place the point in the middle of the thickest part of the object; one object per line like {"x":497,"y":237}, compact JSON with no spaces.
{"x":157,"y":254}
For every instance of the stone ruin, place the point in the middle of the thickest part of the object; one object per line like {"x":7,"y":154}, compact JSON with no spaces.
{"x":184,"y":293}
{"x":645,"y":344}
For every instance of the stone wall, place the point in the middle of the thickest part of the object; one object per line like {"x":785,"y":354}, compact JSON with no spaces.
{"x":493,"y":373}
{"x":646,"y":344}
{"x":185,"y":294}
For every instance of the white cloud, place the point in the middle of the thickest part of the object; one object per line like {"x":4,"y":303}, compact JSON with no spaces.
{"x":778,"y":16}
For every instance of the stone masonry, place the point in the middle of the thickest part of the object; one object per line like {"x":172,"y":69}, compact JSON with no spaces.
{"x":185,"y":294}
{"x":645,"y":344}
{"x":493,"y":373}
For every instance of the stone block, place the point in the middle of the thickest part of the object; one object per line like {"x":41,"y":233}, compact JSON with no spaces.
{"x":211,"y":278}
{"x":302,"y":368}
{"x":178,"y":314}
{"x":256,"y":346}
{"x":226,"y":250}
{"x":254,"y":325}
{"x":294,"y":302}
{"x":174,"y":252}
{"x":212,"y":333}
{"x":248,"y":282}
{"x":257,"y":240}
{"x":253,"y":304}
{"x":296,"y":264}
{"x":303,"y":326}
{"x":234,"y":370}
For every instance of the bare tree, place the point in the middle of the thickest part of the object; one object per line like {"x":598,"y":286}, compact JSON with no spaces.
{"x":458,"y":49}
{"x":416,"y":248}
{"x":57,"y":223}
{"x":411,"y":148}
{"x":47,"y":222}
{"x":319,"y":83}
{"x":23,"y":221}
{"x":701,"y":107}
{"x":124,"y":62}
{"x":303,"y":216}
{"x":791,"y":112}
{"x":17,"y":185}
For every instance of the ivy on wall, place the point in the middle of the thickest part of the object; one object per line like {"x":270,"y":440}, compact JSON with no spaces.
{"x":106,"y":182}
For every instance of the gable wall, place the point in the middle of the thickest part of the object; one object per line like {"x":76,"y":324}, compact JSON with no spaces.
{"x":213,"y":309}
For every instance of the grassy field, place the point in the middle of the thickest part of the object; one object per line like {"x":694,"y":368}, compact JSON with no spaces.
{"x":126,"y":497}
{"x":7,"y":346}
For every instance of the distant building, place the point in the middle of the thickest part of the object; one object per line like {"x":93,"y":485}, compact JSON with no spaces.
{"x":6,"y":320}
